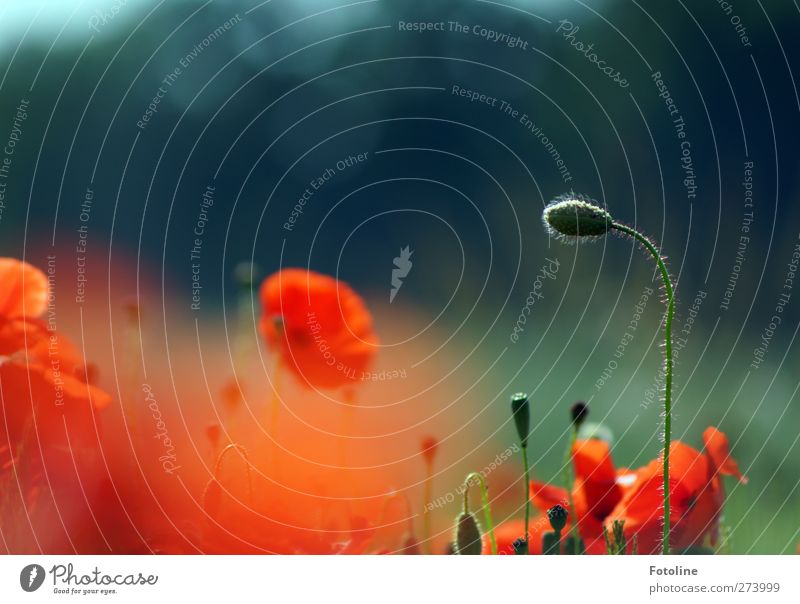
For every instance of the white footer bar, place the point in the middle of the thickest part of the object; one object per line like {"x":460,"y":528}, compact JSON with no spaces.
{"x":402,"y":579}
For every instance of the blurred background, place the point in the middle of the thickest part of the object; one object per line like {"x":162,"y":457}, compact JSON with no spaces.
{"x":152,"y":146}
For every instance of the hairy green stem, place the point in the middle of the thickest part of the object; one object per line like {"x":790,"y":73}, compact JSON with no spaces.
{"x":487,"y":512}
{"x":667,"y":370}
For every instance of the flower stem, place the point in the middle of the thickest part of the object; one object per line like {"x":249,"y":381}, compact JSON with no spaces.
{"x":245,"y":457}
{"x":426,"y":513}
{"x":487,"y":512}
{"x":668,"y":366}
{"x":527,"y":495}
{"x":567,"y":484}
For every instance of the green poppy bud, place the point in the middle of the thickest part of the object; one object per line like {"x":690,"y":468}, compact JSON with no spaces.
{"x":468,"y":535}
{"x":572,"y":216}
{"x":557,"y":516}
{"x":245,"y":274}
{"x":520,"y":409}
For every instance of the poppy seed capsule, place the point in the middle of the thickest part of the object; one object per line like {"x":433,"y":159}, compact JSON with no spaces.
{"x":579,"y":412}
{"x":468,"y":535}
{"x":557,"y":516}
{"x":573,"y":216}
{"x":520,"y":547}
{"x":520,"y":409}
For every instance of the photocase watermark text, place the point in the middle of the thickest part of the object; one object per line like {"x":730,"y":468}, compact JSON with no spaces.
{"x":168,"y":459}
{"x":627,"y":338}
{"x":548,"y":271}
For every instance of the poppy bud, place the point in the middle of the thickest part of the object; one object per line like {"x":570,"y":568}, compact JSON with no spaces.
{"x":132,"y":311}
{"x":468,"y":535}
{"x":579,"y":411}
{"x":232,"y":394}
{"x":520,"y":409}
{"x":213,"y":433}
{"x":520,"y":547}
{"x":428,"y":448}
{"x":557,"y":516}
{"x":245,"y":274}
{"x":572,"y":216}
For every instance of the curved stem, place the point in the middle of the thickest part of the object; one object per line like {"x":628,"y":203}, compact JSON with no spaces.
{"x":487,"y":512}
{"x":527,"y":495}
{"x":667,"y":369}
{"x":243,"y":453}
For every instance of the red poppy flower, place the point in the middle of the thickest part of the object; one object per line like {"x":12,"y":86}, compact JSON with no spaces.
{"x":320,"y":327}
{"x":602,"y":494}
{"x":595,"y":492}
{"x":23,"y":289}
{"x":43,"y":384}
{"x":697,"y":494}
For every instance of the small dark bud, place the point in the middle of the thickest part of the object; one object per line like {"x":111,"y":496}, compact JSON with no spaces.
{"x":520,"y":409}
{"x":520,"y":547}
{"x":557,"y":516}
{"x":579,"y":411}
{"x":468,"y":535}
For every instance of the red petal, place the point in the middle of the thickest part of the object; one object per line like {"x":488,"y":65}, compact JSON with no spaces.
{"x":716,"y":444}
{"x":23,"y":289}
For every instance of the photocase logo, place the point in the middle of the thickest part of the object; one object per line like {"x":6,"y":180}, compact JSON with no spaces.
{"x":403,"y":264}
{"x":31,"y":577}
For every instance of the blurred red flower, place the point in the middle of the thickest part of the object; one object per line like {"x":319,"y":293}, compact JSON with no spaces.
{"x":320,"y":327}
{"x":23,"y":289}
{"x":42,"y":378}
